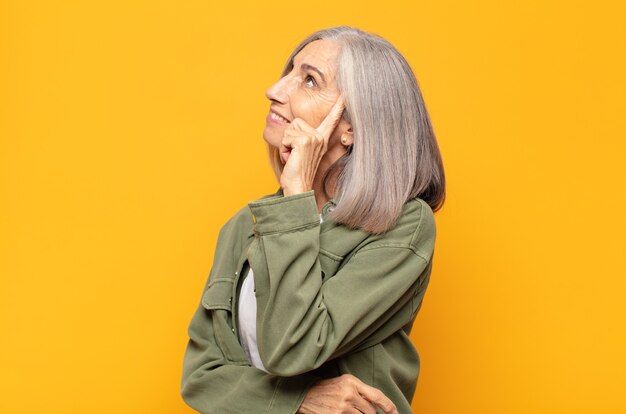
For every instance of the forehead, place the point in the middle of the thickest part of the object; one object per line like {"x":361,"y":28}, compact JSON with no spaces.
{"x":321,"y":53}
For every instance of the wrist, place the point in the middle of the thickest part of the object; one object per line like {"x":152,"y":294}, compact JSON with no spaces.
{"x":292,"y":190}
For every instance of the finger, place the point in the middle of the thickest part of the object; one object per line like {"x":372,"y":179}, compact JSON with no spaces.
{"x":290,"y":136}
{"x":299,"y":124}
{"x":292,"y":140}
{"x":332,"y":119}
{"x":364,"y":406}
{"x":290,"y":145}
{"x":375,"y":396}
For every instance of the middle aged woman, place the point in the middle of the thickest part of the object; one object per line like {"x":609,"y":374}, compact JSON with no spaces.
{"x":314,"y":289}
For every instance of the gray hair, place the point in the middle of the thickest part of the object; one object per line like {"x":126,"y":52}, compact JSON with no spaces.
{"x":394,"y":156}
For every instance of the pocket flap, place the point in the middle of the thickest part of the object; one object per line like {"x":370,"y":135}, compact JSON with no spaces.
{"x":329,"y":263}
{"x":219,"y":295}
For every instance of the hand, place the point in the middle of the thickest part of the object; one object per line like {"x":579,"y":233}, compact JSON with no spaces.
{"x":302,"y":148}
{"x":345,"y":394}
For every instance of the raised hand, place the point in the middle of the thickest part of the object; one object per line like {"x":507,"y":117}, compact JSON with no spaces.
{"x":302,"y":148}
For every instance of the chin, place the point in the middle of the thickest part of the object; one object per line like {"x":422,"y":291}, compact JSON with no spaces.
{"x":271,"y":139}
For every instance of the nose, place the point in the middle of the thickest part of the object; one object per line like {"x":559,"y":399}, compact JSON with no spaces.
{"x":280,"y":91}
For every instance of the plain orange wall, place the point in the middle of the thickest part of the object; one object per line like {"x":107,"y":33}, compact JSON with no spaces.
{"x":130,"y":131}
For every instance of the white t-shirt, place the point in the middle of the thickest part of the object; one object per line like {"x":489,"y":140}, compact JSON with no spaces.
{"x":246,"y":319}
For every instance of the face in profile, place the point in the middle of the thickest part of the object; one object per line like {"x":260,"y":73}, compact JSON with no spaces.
{"x":307,"y":92}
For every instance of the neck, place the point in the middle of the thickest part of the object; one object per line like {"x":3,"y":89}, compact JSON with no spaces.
{"x":320,"y":198}
{"x":319,"y":195}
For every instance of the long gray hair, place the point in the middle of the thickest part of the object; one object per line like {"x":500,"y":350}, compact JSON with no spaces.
{"x":394,"y":156}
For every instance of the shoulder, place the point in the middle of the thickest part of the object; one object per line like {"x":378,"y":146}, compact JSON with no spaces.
{"x":425,"y":232}
{"x":415,"y":230}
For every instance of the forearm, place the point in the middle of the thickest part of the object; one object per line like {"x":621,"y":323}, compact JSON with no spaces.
{"x":242,"y":389}
{"x":213,"y":383}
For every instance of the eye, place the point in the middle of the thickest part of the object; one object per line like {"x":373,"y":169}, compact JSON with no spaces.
{"x":310,"y":81}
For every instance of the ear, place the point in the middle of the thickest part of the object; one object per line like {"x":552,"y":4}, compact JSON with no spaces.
{"x":347,"y":138}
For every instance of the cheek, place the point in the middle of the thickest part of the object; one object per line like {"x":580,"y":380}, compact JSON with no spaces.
{"x":311,"y":108}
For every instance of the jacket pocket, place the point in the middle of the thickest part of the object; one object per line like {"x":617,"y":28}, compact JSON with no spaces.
{"x":219,"y":295}
{"x":218,"y":300}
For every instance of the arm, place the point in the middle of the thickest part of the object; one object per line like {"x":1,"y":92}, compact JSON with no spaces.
{"x":216,"y":376}
{"x":211,"y":383}
{"x":302,"y":322}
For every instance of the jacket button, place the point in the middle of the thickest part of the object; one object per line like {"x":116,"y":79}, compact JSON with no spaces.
{"x":230,"y":300}
{"x":233,"y":329}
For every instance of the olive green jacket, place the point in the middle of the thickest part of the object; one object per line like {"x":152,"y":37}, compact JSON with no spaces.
{"x":330,"y":300}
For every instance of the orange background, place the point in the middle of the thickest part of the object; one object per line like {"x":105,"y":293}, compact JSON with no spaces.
{"x":130,"y":131}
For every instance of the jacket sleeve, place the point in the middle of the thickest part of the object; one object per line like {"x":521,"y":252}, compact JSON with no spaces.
{"x":215,"y":382}
{"x":302,"y":322}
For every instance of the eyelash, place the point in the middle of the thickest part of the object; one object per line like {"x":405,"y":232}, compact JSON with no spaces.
{"x":312,"y":78}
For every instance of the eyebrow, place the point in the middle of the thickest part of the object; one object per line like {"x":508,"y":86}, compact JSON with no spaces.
{"x":306,"y":66}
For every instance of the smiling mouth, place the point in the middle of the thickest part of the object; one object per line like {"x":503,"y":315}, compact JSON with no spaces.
{"x":278,"y":118}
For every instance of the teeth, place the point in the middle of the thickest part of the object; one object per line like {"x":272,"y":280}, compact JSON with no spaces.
{"x":278,"y":117}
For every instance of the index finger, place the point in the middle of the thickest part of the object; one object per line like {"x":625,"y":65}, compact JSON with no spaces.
{"x":376,"y":396}
{"x":332,"y":119}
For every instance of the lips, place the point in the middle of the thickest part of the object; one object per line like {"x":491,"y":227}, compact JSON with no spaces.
{"x":277,"y":116}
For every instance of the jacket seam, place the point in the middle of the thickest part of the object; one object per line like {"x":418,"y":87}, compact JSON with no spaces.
{"x":331,"y":255}
{"x":374,"y":366}
{"x":269,"y":408}
{"x":419,"y":223}
{"x":222,"y":344}
{"x":288,"y":230}
{"x":279,"y":199}
{"x":223,"y":279}
{"x":396,"y":246}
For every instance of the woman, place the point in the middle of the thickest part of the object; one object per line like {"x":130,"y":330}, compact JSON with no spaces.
{"x":314,"y":289}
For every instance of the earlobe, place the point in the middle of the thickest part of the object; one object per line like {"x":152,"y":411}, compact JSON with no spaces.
{"x":347,"y":137}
